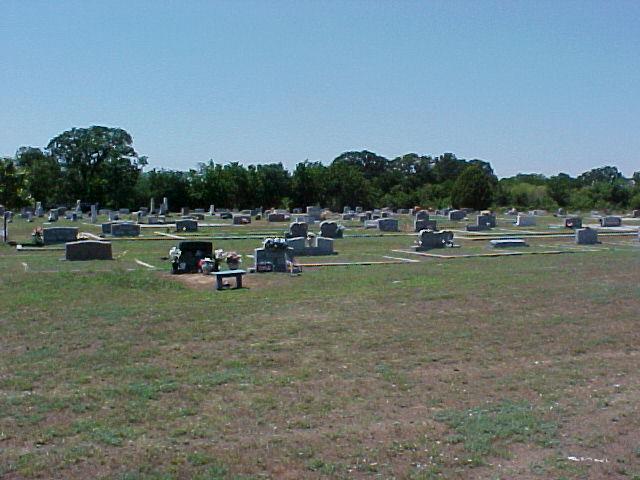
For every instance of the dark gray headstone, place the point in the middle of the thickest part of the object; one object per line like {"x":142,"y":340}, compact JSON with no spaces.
{"x":88,"y":250}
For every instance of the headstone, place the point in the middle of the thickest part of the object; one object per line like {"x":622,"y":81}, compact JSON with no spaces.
{"x":184,"y":211}
{"x":125,"y":229}
{"x":456,"y":215}
{"x":298,"y":230}
{"x":59,"y":235}
{"x":276,"y":217}
{"x":153,"y":219}
{"x":610,"y":221}
{"x":114,"y":216}
{"x":370,"y":223}
{"x":586,"y":236}
{"x":88,"y":250}
{"x":311,"y":246}
{"x":347,"y":216}
{"x":428,"y":239}
{"x":329,"y":229}
{"x":538,"y":213}
{"x":523,"y":220}
{"x":152,"y":206}
{"x":275,"y":255}
{"x":226,"y":215}
{"x":53,"y":215}
{"x":423,"y":224}
{"x":212,"y":209}
{"x":561,"y":212}
{"x":241,"y":219}
{"x":314,"y":212}
{"x":359,"y":209}
{"x":106,"y":228}
{"x":62,"y":211}
{"x":388,"y":225}
{"x":6,"y":215}
{"x":124,"y":211}
{"x":199,"y":210}
{"x":422,"y":215}
{"x":78,"y":208}
{"x":39,"y":211}
{"x":94,"y":214}
{"x":636,"y":214}
{"x":29,"y":217}
{"x":573,"y":222}
{"x":346,"y":209}
{"x":186,"y":225}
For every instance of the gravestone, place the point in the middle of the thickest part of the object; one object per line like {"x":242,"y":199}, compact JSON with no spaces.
{"x":347,"y":216}
{"x":78,"y":208}
{"x":199,"y":210}
{"x":573,"y":222}
{"x":59,"y":235}
{"x":186,"y":225}
{"x":388,"y":225}
{"x":276,"y":217}
{"x":152,"y":206}
{"x":184,"y":211}
{"x":423,"y":224}
{"x":456,"y":215}
{"x":53,"y":215}
{"x":311,"y":246}
{"x":153,"y":219}
{"x":330,"y":229}
{"x":241,"y":219}
{"x":422,"y":215}
{"x":314,"y":212}
{"x":561,"y":212}
{"x":483,"y":222}
{"x":39,"y":211}
{"x":88,"y":250}
{"x":94,"y":214}
{"x":586,"y":236}
{"x":359,"y":209}
{"x":523,"y":220}
{"x":62,"y":211}
{"x":274,"y":256}
{"x":125,"y":229}
{"x":346,"y":209}
{"x":428,"y":239}
{"x":212,"y":209}
{"x":124,"y":211}
{"x":297,"y":230}
{"x":29,"y":217}
{"x":106,"y":228}
{"x":226,"y":215}
{"x":370,"y":224}
{"x":636,"y":214}
{"x":538,"y":213}
{"x":610,"y":221}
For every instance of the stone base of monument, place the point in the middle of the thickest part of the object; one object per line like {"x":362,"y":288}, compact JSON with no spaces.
{"x":304,"y":247}
{"x":88,"y":250}
{"x":508,"y":243}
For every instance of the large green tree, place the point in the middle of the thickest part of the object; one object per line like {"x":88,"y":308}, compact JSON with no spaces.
{"x":42,"y":174}
{"x":12,"y":186}
{"x":98,"y":164}
{"x":474,"y":188}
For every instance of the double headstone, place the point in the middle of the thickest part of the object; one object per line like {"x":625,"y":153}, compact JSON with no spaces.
{"x":428,"y":239}
{"x":610,"y":221}
{"x":88,"y":250}
{"x":125,"y":229}
{"x":59,"y":235}
{"x":186,"y":225}
{"x":241,"y":219}
{"x":423,"y":224}
{"x":456,"y":215}
{"x":329,"y":229}
{"x":523,"y":220}
{"x":388,"y":225}
{"x":297,"y":230}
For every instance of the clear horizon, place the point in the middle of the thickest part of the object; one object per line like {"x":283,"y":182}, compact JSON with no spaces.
{"x":531,"y":88}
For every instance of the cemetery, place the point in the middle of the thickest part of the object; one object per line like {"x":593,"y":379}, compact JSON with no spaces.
{"x":233,"y":300}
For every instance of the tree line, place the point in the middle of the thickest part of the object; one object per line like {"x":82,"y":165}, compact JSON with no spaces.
{"x":99,"y":165}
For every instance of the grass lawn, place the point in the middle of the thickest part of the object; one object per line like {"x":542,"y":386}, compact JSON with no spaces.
{"x":511,"y":367}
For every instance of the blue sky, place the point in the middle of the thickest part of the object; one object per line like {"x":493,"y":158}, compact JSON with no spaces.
{"x":531,"y":86}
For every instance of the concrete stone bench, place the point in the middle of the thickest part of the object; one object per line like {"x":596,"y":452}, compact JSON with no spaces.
{"x":237,"y":274}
